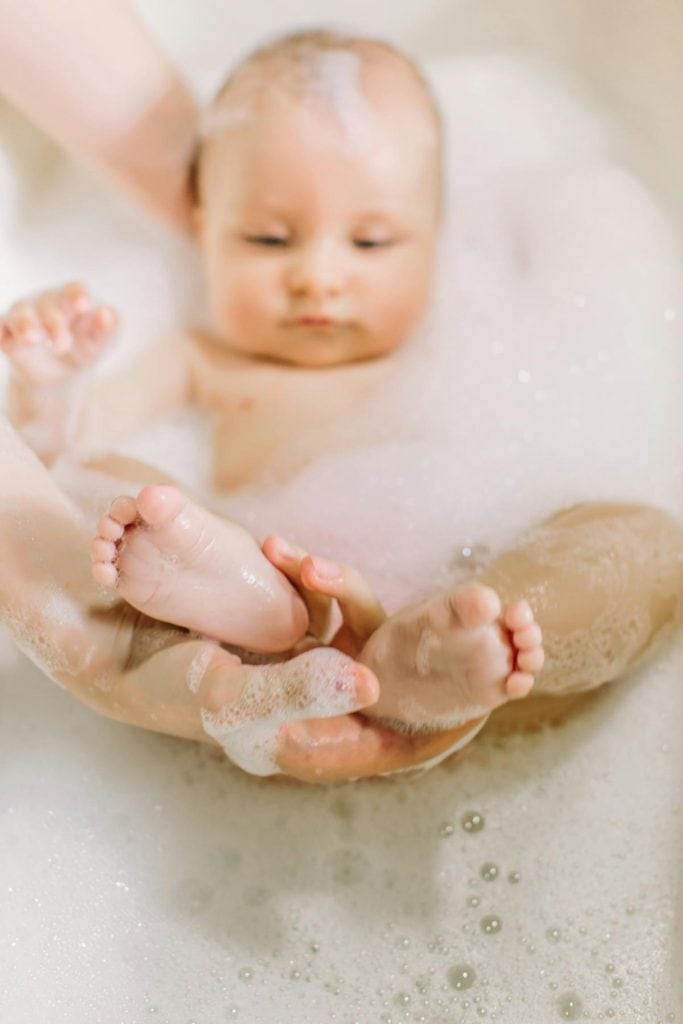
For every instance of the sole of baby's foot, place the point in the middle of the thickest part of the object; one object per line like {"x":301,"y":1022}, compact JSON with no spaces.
{"x":175,"y":561}
{"x":453,"y":659}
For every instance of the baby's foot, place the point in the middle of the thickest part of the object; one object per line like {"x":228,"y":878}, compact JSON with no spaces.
{"x":453,"y":658}
{"x":50,"y":338}
{"x":441,"y":663}
{"x":176,"y":562}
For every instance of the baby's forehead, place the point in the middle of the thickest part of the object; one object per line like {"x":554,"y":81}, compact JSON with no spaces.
{"x":345,"y":86}
{"x":363,"y":100}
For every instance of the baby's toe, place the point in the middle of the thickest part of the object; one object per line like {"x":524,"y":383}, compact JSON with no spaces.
{"x":518,"y":615}
{"x":475,"y":605}
{"x":105,"y":573}
{"x":519,"y":685}
{"x":102,"y":550}
{"x":124,"y":510}
{"x":527,"y":638}
{"x":531,"y":661}
{"x":159,"y":504}
{"x":109,"y":529}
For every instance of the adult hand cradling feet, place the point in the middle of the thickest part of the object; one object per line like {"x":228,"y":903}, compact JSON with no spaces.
{"x":136,"y":670}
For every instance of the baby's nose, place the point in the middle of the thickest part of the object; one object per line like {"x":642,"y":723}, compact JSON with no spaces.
{"x":317,"y":272}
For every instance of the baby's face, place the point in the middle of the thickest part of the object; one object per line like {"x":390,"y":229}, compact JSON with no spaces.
{"x":318,"y":237}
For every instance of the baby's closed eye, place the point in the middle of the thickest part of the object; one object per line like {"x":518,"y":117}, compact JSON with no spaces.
{"x":266,"y":239}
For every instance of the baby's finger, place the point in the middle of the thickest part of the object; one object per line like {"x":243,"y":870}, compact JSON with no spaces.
{"x":353,"y":747}
{"x":361,"y":610}
{"x":55,"y":323}
{"x":92,"y":332}
{"x":288,"y":558}
{"x":99,"y":320}
{"x":73,"y":298}
{"x":322,"y":683}
{"x":23,"y":324}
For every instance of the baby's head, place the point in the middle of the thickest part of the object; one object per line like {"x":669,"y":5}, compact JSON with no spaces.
{"x":318,"y":199}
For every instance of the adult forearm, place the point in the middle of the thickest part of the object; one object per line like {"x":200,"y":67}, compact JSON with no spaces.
{"x":48,"y":601}
{"x":91,"y":76}
{"x":604,"y":581}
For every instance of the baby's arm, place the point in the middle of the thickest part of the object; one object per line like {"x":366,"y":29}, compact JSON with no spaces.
{"x":51,"y":342}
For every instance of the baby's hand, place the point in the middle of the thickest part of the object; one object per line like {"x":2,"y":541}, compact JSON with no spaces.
{"x":54,"y":336}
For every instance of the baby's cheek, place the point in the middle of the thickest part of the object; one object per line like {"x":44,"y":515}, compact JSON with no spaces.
{"x":246,"y":304}
{"x":399,"y":312}
{"x":401,"y":294}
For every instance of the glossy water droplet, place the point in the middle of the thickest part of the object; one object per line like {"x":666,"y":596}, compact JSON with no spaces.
{"x":447,"y":829}
{"x":617,"y":982}
{"x":489,"y":871}
{"x":472,"y":821}
{"x":553,"y":935}
{"x":315,"y":947}
{"x":245,"y":973}
{"x":491,"y":924}
{"x":569,"y":1006}
{"x":481,"y":1010}
{"x":294,"y":974}
{"x":462,"y":976}
{"x":609,"y":968}
{"x":232,"y":1012}
{"x":402,"y":998}
{"x":473,"y":901}
{"x":514,"y":877}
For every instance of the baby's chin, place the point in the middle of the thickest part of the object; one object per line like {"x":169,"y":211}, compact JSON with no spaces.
{"x":317,"y":348}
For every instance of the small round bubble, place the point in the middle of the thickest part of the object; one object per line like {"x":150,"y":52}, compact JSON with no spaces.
{"x":569,"y":1006}
{"x":462,"y":976}
{"x":472,"y":821}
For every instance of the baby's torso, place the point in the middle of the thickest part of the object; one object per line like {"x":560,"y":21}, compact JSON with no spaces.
{"x":259,"y":408}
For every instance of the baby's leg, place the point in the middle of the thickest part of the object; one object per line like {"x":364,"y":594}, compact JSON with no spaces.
{"x":175,"y":561}
{"x":604,"y":581}
{"x":441,"y":663}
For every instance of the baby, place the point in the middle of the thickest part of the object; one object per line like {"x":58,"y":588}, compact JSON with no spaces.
{"x":318,"y":193}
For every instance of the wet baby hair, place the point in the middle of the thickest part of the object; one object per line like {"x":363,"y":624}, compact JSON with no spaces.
{"x":291,"y":64}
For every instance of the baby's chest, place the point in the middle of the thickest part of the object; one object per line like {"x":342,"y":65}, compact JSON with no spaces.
{"x":259,"y":409}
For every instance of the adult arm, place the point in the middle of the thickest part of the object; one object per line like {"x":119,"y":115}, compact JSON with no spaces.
{"x":89,"y":73}
{"x":147,"y":674}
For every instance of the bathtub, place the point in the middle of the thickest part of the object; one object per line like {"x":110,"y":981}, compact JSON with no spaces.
{"x":534,"y":878}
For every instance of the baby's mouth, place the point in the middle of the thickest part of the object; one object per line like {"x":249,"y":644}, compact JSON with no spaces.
{"x":314,"y":320}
